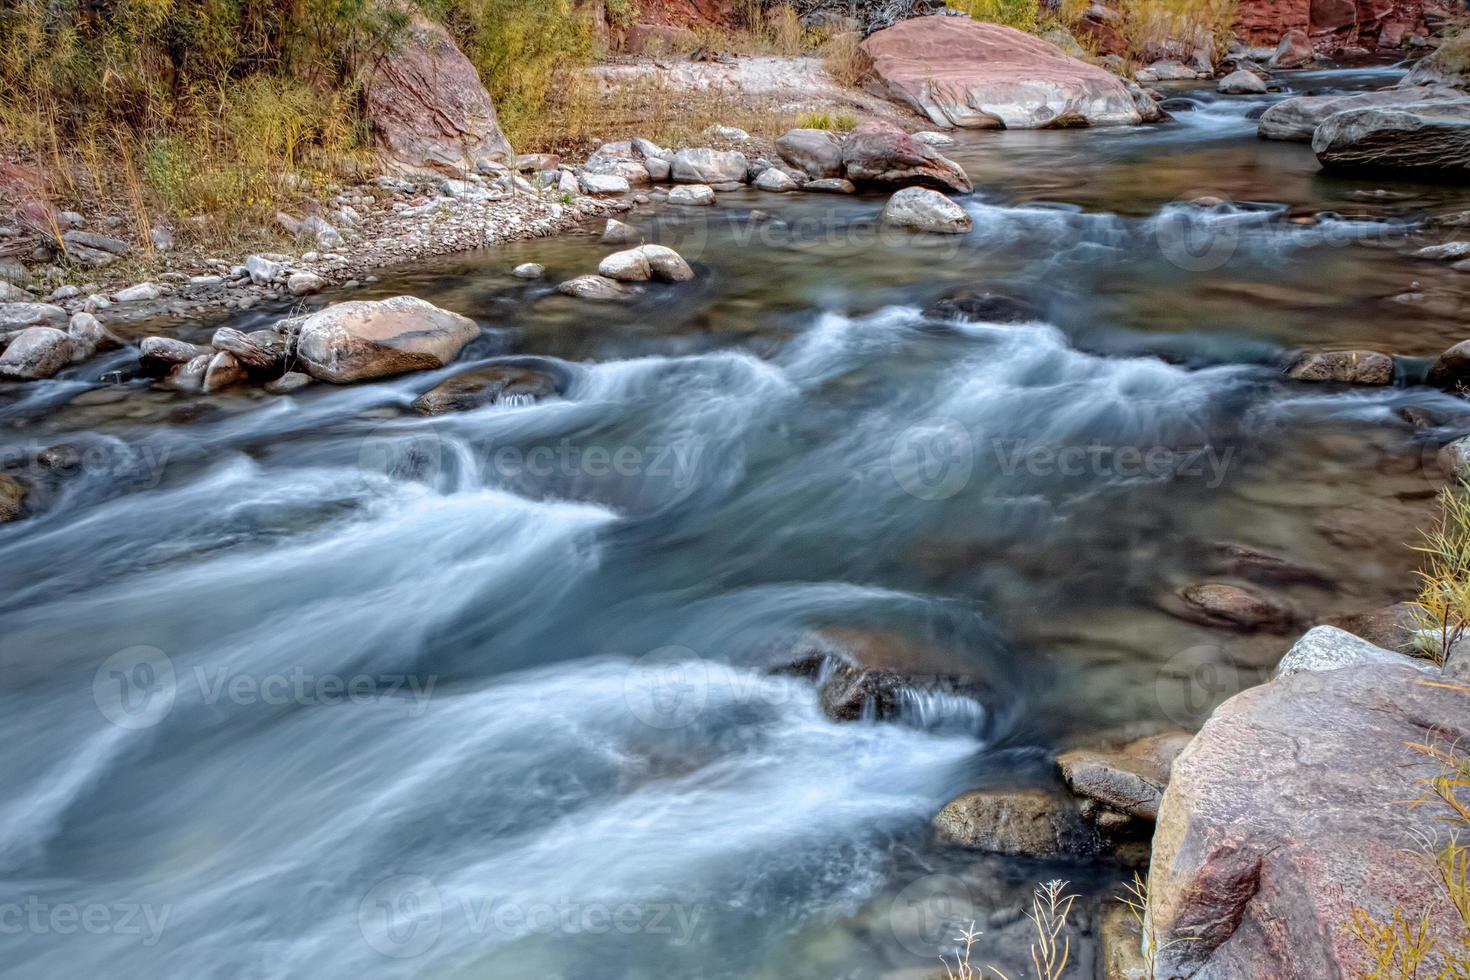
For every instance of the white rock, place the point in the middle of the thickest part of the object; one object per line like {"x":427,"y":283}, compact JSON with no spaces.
{"x":729,"y":133}
{"x":626,"y":266}
{"x":934,"y":139}
{"x":142,"y":292}
{"x":775,"y":180}
{"x":666,"y":264}
{"x":11,"y":293}
{"x":1242,"y":82}
{"x":924,"y":210}
{"x":86,"y":333}
{"x":529,"y":270}
{"x":616,"y":232}
{"x":305,"y":283}
{"x":707,"y":166}
{"x":1447,"y":252}
{"x":1329,"y":648}
{"x":37,"y":353}
{"x":262,"y":270}
{"x":596,"y":288}
{"x":692,"y":194}
{"x":604,"y":184}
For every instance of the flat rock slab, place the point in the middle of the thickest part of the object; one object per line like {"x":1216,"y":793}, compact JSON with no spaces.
{"x":1297,"y":118}
{"x":1329,"y":648}
{"x":1287,"y":810}
{"x":1130,"y":780}
{"x":962,"y":73}
{"x":1431,"y":138}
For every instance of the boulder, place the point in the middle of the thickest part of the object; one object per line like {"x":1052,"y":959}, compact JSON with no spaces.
{"x":364,"y":339}
{"x":1149,"y":108}
{"x":921,"y":209}
{"x":1451,"y":370}
{"x":616,"y":232}
{"x":37,"y":353}
{"x":87,"y":334}
{"x":627,"y":266}
{"x":288,"y":382}
{"x":1294,"y":51}
{"x":260,"y":350}
{"x":881,"y":154}
{"x":189,"y":376}
{"x":101,"y":243}
{"x":1217,"y":604}
{"x":19,"y":316}
{"x":529,"y":270}
{"x":666,"y":264}
{"x":962,"y":73}
{"x":514,"y":383}
{"x":427,"y":107}
{"x":596,"y":288}
{"x":1448,"y":252}
{"x":830,"y":185}
{"x":1129,"y":780}
{"x":224,"y":369}
{"x":610,"y":166}
{"x":815,"y":152}
{"x":706,"y":166}
{"x":1359,"y":367}
{"x":696,"y":195}
{"x":1031,"y":822}
{"x":305,"y":283}
{"x":1242,"y":82}
{"x":1329,"y":648}
{"x":1430,"y":138}
{"x":603,"y":184}
{"x":162,"y":354}
{"x":776,"y":181}
{"x":12,"y":498}
{"x":263,"y":271}
{"x":1445,"y":67}
{"x":1297,"y":118}
{"x":1287,"y":811}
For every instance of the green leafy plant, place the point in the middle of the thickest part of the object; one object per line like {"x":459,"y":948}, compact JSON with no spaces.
{"x":840,"y":122}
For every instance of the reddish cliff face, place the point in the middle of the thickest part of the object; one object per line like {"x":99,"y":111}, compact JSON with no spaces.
{"x":1335,"y":24}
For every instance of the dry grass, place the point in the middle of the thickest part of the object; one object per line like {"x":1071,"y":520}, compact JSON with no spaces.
{"x":1175,"y":27}
{"x":1442,"y":608}
{"x":1051,"y":950}
{"x":843,"y":59}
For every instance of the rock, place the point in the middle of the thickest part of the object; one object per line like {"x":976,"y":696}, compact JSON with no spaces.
{"x":37,"y":353}
{"x":223,"y":370}
{"x":258,"y":351}
{"x":596,"y":288}
{"x":12,"y":498}
{"x":288,"y":382}
{"x":659,"y":170}
{"x":881,"y":154}
{"x":101,"y":243}
{"x":1294,"y":51}
{"x":426,"y":104}
{"x":263,"y":271}
{"x":924,"y":210}
{"x":1167,"y":71}
{"x":1287,"y":811}
{"x":141,"y":293}
{"x":1129,"y":780}
{"x":1215,"y":604}
{"x":616,"y":232}
{"x":626,"y":266}
{"x":1297,"y":118}
{"x":1149,"y":108}
{"x":87,"y":334}
{"x":1329,"y":648}
{"x":602,"y":184}
{"x":984,"y":308}
{"x":666,"y":264}
{"x":533,"y":162}
{"x":1360,"y":367}
{"x":696,"y":195}
{"x":609,"y":166}
{"x":1451,"y":370}
{"x":568,"y":184}
{"x":775,"y":181}
{"x":1429,"y":138}
{"x":830,"y":185}
{"x":1032,"y":822}
{"x":1440,"y":68}
{"x":1453,"y":459}
{"x":10,"y":293}
{"x":1391,"y":627}
{"x":648,"y":150}
{"x":1242,"y":82}
{"x":729,"y":133}
{"x":305,"y":283}
{"x":962,"y":73}
{"x":364,"y":339}
{"x":706,"y":166}
{"x":18,"y":316}
{"x":529,"y":270}
{"x":1448,"y":252}
{"x":935,"y":139}
{"x":161,"y":354}
{"x":519,"y":383}
{"x":815,"y":152}
{"x":189,"y":376}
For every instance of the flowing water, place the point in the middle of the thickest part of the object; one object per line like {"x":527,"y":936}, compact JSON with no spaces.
{"x":313,"y":686}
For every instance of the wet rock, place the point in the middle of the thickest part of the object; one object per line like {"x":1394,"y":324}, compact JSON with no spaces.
{"x":263,"y":271}
{"x":616,"y":232}
{"x":1453,"y":459}
{"x":596,"y":288}
{"x":529,"y":270}
{"x":1150,"y":109}
{"x":933,"y":139}
{"x":11,"y":293}
{"x":1297,"y":118}
{"x":1432,"y":138}
{"x":39,"y":352}
{"x":288,"y":382}
{"x":19,"y":316}
{"x":602,"y":184}
{"x":697,"y":195}
{"x":222,"y":371}
{"x":1242,"y":82}
{"x":830,"y":185}
{"x":141,"y":293}
{"x":627,"y":266}
{"x":881,"y":154}
{"x":1217,"y":604}
{"x":984,"y":308}
{"x":776,"y":181}
{"x":1129,"y":780}
{"x":666,"y":264}
{"x":1451,"y":370}
{"x":162,"y":354}
{"x":921,"y":209}
{"x":1359,"y":367}
{"x":1329,"y":648}
{"x":706,"y":166}
{"x":358,"y":340}
{"x":427,"y":106}
{"x":1031,"y":822}
{"x":305,"y":283}
{"x":517,"y":383}
{"x":12,"y":498}
{"x":260,"y":351}
{"x":1448,"y":252}
{"x":87,"y":335}
{"x":1288,"y":801}
{"x":815,"y":152}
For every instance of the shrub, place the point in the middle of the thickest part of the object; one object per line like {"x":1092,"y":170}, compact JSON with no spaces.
{"x":843,"y":60}
{"x":1442,"y":609}
{"x":1174,"y":28}
{"x":1020,"y":14}
{"x":839,"y":122}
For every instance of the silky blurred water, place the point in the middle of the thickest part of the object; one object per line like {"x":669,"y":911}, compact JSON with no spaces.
{"x":315,"y":686}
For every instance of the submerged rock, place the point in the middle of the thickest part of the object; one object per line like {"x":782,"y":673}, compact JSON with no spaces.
{"x":984,"y":308}
{"x":365,"y":339}
{"x":1031,"y":822}
{"x":1129,"y":780}
{"x":12,"y":498}
{"x":596,"y":288}
{"x":514,"y":382}
{"x":1359,"y":367}
{"x":1217,"y":604}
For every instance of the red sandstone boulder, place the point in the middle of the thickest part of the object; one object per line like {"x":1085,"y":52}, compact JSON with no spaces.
{"x":962,"y":73}
{"x":427,"y":107}
{"x":881,"y":154}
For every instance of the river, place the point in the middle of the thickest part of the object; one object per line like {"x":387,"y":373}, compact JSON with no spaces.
{"x":313,"y":686}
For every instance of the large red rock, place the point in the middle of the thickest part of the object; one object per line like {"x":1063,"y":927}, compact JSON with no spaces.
{"x":962,"y":73}
{"x":428,"y":108}
{"x":881,"y":154}
{"x":1286,"y":812}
